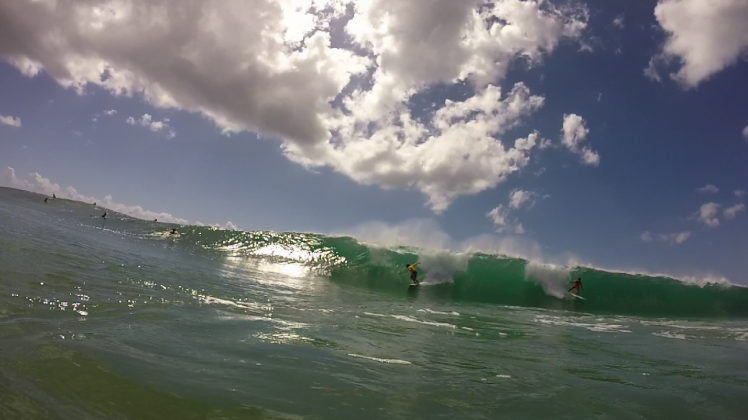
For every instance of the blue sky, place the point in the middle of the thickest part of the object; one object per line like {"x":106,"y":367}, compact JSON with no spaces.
{"x":653,"y":138}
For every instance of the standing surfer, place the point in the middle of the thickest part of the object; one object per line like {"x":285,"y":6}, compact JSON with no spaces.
{"x":413,"y":272}
{"x":577,"y":286}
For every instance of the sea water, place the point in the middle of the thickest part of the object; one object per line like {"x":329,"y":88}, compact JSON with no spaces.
{"x":117,"y":319}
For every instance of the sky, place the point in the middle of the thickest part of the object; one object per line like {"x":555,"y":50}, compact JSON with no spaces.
{"x":612,"y":135}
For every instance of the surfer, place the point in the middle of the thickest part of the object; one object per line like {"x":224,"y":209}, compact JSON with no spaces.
{"x":173,"y":232}
{"x":413,"y":272}
{"x":577,"y":286}
{"x":54,"y":196}
{"x":103,"y":216}
{"x":45,"y":200}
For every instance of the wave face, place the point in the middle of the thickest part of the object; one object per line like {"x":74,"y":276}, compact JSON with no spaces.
{"x":477,"y":278}
{"x":464,"y":278}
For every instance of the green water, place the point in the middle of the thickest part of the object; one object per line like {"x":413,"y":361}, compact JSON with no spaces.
{"x":114,"y":319}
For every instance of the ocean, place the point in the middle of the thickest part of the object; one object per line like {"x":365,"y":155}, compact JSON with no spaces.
{"x":117,"y":319}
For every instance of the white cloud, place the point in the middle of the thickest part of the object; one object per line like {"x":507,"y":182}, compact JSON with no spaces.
{"x":731,"y":212}
{"x":156,"y":126}
{"x":618,"y":22}
{"x":707,"y":214}
{"x":10,"y":120}
{"x":705,"y":36}
{"x":745,"y":132}
{"x":651,"y":72}
{"x":675,"y":238}
{"x":500,"y":215}
{"x":574,"y":134}
{"x":38,"y":184}
{"x":284,"y":76}
{"x":590,"y":157}
{"x":739,"y":193}
{"x":672,"y":238}
{"x":521,"y":198}
{"x":110,"y":112}
{"x":709,"y":188}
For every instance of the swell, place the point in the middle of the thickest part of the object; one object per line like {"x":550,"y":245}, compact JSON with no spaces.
{"x":482,"y":278}
{"x":451,"y":276}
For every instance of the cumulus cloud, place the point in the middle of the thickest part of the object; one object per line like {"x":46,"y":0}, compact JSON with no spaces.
{"x":707,"y":214}
{"x":10,"y":120}
{"x":38,"y":184}
{"x":618,"y":21}
{"x":574,"y":134}
{"x":709,"y":188}
{"x":500,"y":215}
{"x":672,"y":238}
{"x":110,"y":112}
{"x":675,"y":238}
{"x":745,"y":133}
{"x":156,"y":126}
{"x":739,"y":193}
{"x":343,"y":106}
{"x":704,"y":36}
{"x":731,"y":212}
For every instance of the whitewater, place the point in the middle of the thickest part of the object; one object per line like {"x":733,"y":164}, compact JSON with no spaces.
{"x":116,"y":318}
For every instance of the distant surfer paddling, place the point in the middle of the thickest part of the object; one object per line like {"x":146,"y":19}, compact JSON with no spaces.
{"x":577,"y":286}
{"x":413,"y":272}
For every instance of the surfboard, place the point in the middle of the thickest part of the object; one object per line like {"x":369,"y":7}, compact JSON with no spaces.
{"x":577,"y":296}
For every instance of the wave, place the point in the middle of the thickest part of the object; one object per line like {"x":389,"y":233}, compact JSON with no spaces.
{"x":453,"y":276}
{"x":479,"y":278}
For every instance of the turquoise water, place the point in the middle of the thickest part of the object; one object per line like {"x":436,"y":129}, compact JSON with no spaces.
{"x":115,"y":319}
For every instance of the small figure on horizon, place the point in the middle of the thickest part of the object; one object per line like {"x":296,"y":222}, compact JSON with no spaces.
{"x":155,"y":220}
{"x":413,"y":272}
{"x":94,"y":204}
{"x":54,"y":196}
{"x":577,"y":286}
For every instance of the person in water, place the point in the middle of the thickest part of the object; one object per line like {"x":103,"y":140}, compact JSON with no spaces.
{"x":173,"y":232}
{"x":54,"y":196}
{"x":413,"y":272}
{"x":45,"y":200}
{"x":103,"y":216}
{"x":577,"y":286}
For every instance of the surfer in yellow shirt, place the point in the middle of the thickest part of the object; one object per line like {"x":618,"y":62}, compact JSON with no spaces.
{"x":413,"y":272}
